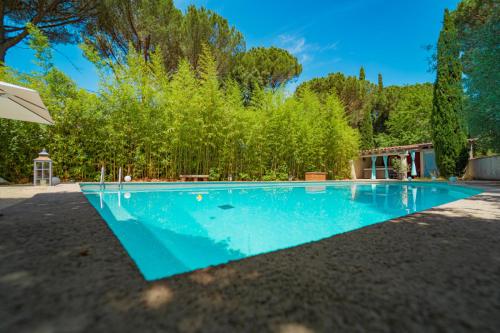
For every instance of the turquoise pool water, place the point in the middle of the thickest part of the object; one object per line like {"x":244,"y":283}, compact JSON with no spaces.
{"x":177,"y":228}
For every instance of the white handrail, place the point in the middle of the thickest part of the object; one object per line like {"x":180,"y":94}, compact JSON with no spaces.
{"x":120,"y":177}
{"x":101,"y":183}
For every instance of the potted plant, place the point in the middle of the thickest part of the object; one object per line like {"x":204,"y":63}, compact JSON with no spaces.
{"x":400,"y":168}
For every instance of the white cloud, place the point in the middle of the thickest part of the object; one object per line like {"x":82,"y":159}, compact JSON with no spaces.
{"x":332,"y":46}
{"x":299,"y":47}
{"x":293,"y":44}
{"x":296,"y":45}
{"x":305,"y":58}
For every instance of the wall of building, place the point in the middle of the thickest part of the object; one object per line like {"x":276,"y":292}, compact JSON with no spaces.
{"x":363,"y":165}
{"x":360,"y":164}
{"x":484,"y":168}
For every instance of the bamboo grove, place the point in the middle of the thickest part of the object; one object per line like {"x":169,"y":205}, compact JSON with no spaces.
{"x":157,"y":125}
{"x":221,"y":109}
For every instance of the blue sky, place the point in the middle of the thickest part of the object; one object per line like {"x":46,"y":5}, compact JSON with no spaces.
{"x":386,"y":36}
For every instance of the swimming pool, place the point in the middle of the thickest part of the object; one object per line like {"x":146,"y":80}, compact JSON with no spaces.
{"x":169,"y":229}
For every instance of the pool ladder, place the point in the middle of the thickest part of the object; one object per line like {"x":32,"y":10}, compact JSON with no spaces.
{"x":120,"y":178}
{"x":102,"y":184}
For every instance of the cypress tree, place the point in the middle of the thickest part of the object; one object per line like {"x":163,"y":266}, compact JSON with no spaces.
{"x":380,"y":111}
{"x":380,"y":83}
{"x":450,"y":142}
{"x":362,"y":74}
{"x":366,"y":131}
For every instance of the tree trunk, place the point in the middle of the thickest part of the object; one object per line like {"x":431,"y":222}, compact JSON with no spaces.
{"x":3,"y":52}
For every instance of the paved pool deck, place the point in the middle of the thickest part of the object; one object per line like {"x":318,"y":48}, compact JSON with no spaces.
{"x":63,"y":270}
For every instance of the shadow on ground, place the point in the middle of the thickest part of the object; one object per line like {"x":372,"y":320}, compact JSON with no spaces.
{"x":62,"y":270}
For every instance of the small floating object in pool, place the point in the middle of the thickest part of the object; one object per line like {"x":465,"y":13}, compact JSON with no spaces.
{"x":199,"y":197}
{"x":127,"y":195}
{"x":128,"y":178}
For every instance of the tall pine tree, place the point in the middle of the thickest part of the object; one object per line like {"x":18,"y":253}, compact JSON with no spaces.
{"x":380,"y":112}
{"x":362,"y":74}
{"x":366,"y":131}
{"x":448,"y":136}
{"x":380,"y":83}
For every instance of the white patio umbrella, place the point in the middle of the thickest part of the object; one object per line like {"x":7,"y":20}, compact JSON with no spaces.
{"x":21,"y":103}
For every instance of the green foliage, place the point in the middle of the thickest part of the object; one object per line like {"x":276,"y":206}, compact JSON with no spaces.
{"x":39,"y":43}
{"x":409,"y":117}
{"x":362,"y":75}
{"x":356,"y":95}
{"x":60,"y":21}
{"x":205,"y":27}
{"x":380,"y":83}
{"x":448,"y":135}
{"x":478,"y":24}
{"x":144,"y":26}
{"x":213,"y":174}
{"x":342,"y":142}
{"x":265,"y":67}
{"x":398,"y":166}
{"x":160,"y":125}
{"x":21,"y":143}
{"x":384,"y":116}
{"x":382,"y":108}
{"x":366,"y":131}
{"x":140,"y":25}
{"x":276,"y":175}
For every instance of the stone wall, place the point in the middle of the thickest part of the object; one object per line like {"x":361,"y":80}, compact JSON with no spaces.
{"x":484,"y":168}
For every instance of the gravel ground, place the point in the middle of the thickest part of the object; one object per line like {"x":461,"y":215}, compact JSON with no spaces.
{"x":63,"y":270}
